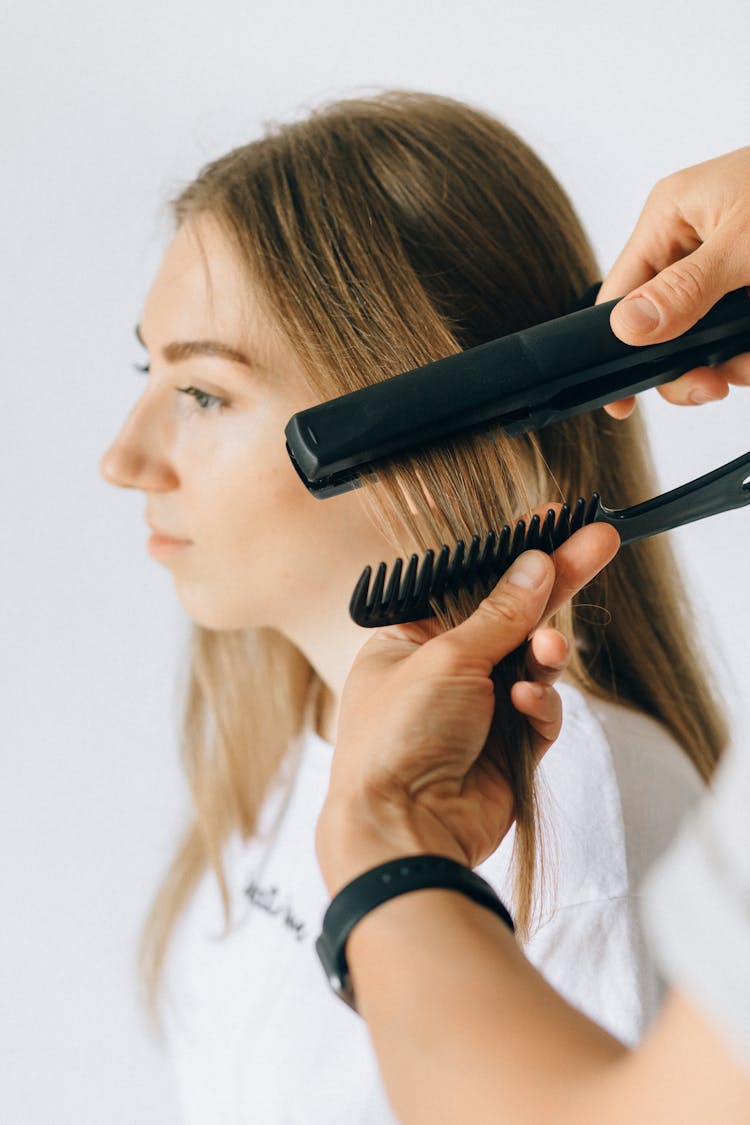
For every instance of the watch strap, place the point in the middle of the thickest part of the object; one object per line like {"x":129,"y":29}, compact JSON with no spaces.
{"x":379,"y":885}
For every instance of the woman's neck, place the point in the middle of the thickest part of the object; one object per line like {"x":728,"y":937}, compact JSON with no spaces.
{"x":327,"y":714}
{"x":331,"y":651}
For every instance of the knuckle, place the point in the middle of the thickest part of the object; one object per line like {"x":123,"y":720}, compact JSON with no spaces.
{"x":504,"y":607}
{"x":454,"y":662}
{"x":451,"y":658}
{"x":657,"y":192}
{"x":685,"y":284}
{"x":663,"y":191}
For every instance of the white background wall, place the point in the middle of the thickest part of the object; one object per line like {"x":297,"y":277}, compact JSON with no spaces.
{"x":106,"y":108}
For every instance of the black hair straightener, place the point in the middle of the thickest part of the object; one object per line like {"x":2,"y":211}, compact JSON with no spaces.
{"x":520,"y":382}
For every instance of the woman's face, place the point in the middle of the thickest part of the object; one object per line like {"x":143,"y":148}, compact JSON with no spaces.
{"x":246,"y":543}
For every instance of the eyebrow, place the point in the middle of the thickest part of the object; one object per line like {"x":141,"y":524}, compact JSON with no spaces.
{"x":185,"y":349}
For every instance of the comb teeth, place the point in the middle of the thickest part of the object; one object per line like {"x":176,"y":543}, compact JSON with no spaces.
{"x":478,"y":567}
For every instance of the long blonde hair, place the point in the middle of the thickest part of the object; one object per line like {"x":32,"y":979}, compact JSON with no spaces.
{"x":386,"y":232}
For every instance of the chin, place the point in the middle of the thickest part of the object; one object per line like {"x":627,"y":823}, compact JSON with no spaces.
{"x":216,"y":615}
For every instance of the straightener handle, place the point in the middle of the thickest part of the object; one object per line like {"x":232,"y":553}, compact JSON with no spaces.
{"x":721,"y":490}
{"x":583,"y":364}
{"x":524,"y":381}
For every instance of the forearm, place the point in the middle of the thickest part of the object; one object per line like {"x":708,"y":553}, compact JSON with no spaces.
{"x":464,"y":1028}
{"x":458,"y":1017}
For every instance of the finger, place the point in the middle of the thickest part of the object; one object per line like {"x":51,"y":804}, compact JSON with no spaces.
{"x":696,"y":387}
{"x":505,"y":618}
{"x":546,"y":656}
{"x":579,"y":560}
{"x":413,"y":633}
{"x":671,"y":302}
{"x":701,"y":385}
{"x":511,"y":611}
{"x":623,"y":408}
{"x":736,"y":371}
{"x":542,"y":707}
{"x":708,"y":384}
{"x":631,"y":269}
{"x":660,"y":237}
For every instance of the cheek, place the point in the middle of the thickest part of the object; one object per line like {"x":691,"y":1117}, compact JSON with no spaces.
{"x":240,"y":575}
{"x":241,"y":478}
{"x":267,"y":548}
{"x":263,"y":513}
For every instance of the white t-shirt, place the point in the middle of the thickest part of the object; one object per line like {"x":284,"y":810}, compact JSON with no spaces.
{"x":255,"y":1035}
{"x":697,"y":905}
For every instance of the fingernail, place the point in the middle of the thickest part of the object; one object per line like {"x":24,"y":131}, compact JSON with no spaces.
{"x":637,"y":314}
{"x":529,"y":570}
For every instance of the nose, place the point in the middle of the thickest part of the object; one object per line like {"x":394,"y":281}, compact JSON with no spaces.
{"x":139,"y":457}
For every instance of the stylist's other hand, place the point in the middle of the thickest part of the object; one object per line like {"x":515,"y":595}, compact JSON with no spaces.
{"x":690,"y":246}
{"x":409,"y":774}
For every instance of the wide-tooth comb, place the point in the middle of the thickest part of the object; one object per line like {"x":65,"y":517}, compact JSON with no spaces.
{"x":407,"y":594}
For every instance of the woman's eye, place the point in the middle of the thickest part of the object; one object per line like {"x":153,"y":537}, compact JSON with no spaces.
{"x":205,"y":401}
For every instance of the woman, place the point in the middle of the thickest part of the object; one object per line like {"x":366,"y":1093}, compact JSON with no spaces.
{"x":375,"y":236}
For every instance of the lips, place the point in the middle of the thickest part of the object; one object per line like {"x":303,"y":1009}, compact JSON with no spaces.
{"x":164,"y":545}
{"x":160,"y":537}
{"x":166,"y":536}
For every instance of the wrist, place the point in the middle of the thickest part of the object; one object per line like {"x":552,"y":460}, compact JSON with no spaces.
{"x":355,"y":834}
{"x":374,"y":890}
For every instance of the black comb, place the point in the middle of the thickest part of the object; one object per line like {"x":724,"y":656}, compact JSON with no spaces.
{"x":408,"y":594}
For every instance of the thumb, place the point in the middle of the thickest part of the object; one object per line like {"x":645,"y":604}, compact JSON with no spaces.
{"x":680,"y":295}
{"x":505,"y":618}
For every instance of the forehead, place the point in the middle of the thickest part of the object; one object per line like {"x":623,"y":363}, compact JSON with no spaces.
{"x":201,"y":291}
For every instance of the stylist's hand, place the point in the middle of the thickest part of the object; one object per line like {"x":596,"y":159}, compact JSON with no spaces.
{"x":690,"y":246}
{"x":409,"y":774}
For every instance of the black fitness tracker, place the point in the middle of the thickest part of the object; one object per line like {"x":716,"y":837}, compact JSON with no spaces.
{"x":374,"y":887}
